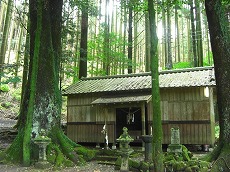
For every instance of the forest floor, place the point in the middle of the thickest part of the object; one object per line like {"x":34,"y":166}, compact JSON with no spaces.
{"x":9,"y":108}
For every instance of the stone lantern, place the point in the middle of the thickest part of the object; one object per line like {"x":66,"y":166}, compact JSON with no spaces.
{"x":125,"y":149}
{"x":42,"y":141}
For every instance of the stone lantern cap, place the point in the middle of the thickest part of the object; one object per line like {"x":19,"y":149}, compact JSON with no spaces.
{"x":125,"y":137}
{"x":42,"y":137}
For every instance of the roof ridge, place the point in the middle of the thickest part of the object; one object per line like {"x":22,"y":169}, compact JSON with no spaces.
{"x":117,"y":76}
{"x":187,"y":70}
{"x":148,"y":73}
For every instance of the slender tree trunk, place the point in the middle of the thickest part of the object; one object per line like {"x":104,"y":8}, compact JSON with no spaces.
{"x":124,"y":33}
{"x":177,"y":38}
{"x":9,"y":40}
{"x":157,"y":124}
{"x":220,"y":42}
{"x":83,"y":44}
{"x":5,"y":35}
{"x":130,"y":39}
{"x":2,"y":16}
{"x":106,"y":65}
{"x":76,"y":55}
{"x":135,"y":45}
{"x":193,"y":34}
{"x":169,"y":63}
{"x":199,"y":34}
{"x":18,"y":54}
{"x":25,"y":62}
{"x":147,"y":43}
{"x":164,"y":39}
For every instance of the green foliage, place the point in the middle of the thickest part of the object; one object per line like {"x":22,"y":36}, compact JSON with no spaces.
{"x":6,"y":105}
{"x":181,"y":65}
{"x":184,"y":162}
{"x":110,"y":55}
{"x":208,"y":61}
{"x":217,"y":131}
{"x":17,"y":94}
{"x":4,"y":88}
{"x":8,"y":75}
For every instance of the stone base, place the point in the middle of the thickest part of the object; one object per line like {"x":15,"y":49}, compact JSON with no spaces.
{"x":42,"y":165}
{"x":174,"y":148}
{"x":114,"y":147}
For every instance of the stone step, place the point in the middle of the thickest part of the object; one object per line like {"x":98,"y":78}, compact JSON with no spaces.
{"x":106,"y":158}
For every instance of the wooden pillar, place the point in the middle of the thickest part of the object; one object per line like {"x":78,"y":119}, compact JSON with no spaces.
{"x":143,"y":132}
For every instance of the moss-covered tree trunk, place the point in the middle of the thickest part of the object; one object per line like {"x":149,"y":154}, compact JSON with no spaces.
{"x":41,"y":106}
{"x":220,"y":41}
{"x":157,"y":125}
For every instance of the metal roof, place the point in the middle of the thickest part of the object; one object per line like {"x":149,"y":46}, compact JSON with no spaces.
{"x":122,"y":99}
{"x":192,"y":77}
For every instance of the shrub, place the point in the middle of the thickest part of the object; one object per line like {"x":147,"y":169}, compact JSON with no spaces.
{"x":4,"y":88}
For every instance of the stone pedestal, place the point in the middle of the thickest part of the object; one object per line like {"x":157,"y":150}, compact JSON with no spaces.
{"x":125,"y":149}
{"x":147,"y":139}
{"x":42,"y":141}
{"x":175,"y":145}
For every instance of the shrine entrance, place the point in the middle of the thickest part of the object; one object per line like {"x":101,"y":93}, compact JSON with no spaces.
{"x":130,"y":118}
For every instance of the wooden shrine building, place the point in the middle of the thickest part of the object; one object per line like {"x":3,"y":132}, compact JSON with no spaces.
{"x":187,"y":102}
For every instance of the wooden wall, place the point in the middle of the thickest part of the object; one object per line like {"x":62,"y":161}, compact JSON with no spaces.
{"x":191,"y":110}
{"x":187,"y":108}
{"x":90,"y":132}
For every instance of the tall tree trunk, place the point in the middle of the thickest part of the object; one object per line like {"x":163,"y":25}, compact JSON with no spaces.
{"x":169,"y":64}
{"x":83,"y":43}
{"x":106,"y":65}
{"x":41,"y":107}
{"x":124,"y":33}
{"x":18,"y":54}
{"x":199,"y":34}
{"x":76,"y":55}
{"x":193,"y":33}
{"x":164,"y":37}
{"x":12,"y":28}
{"x":130,"y":39}
{"x":5,"y":35}
{"x":218,"y":23}
{"x":177,"y":33}
{"x":157,"y":124}
{"x":25,"y":61}
{"x":147,"y":43}
{"x":135,"y":45}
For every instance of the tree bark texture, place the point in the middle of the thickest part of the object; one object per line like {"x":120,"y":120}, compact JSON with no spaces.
{"x":193,"y":33}
{"x":220,"y":42}
{"x":130,"y":39}
{"x":41,"y":104}
{"x":83,"y":43}
{"x":157,"y":125}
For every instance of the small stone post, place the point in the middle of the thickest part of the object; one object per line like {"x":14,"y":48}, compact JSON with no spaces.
{"x":175,"y":145}
{"x":147,"y":139}
{"x":125,"y":149}
{"x":42,"y":141}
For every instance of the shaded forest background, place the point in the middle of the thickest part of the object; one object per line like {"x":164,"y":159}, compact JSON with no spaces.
{"x":108,"y":38}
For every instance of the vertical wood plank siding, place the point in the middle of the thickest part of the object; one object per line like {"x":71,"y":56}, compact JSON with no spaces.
{"x":90,"y":132}
{"x":191,"y":111}
{"x":186,"y":108}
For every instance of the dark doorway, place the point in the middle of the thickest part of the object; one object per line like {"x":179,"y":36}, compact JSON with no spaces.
{"x":130,"y":118}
